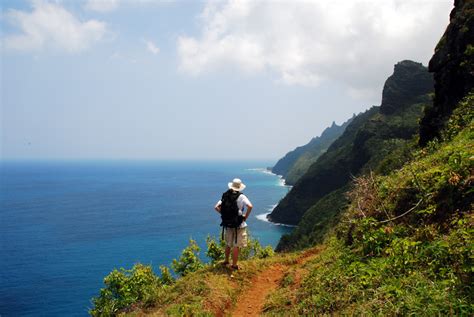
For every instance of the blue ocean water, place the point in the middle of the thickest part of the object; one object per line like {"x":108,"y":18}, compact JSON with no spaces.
{"x":67,"y":224}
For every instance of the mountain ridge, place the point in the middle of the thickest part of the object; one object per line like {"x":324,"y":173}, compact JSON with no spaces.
{"x":296,"y":162}
{"x":366,"y":135}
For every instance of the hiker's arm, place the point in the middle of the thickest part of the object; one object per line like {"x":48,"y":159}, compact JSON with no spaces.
{"x":217,"y":207}
{"x":249,"y":210}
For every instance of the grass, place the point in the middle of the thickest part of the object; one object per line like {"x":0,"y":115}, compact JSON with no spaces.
{"x":421,"y":262}
{"x":210,"y":290}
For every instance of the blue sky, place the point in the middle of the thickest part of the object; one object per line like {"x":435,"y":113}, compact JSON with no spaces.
{"x":197,"y":80}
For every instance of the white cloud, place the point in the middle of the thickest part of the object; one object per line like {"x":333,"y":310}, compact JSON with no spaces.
{"x":49,"y":25}
{"x":152,"y":47}
{"x":101,"y":5}
{"x":105,"y":6}
{"x":354,"y":42}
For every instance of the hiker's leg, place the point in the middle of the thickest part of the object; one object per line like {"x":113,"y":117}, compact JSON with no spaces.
{"x":235,"y":256}
{"x":227,"y":254}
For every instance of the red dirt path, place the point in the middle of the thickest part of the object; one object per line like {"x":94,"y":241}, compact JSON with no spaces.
{"x":251,"y":301}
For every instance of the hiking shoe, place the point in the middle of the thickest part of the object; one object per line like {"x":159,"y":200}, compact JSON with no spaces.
{"x":225,"y":263}
{"x":235,"y":267}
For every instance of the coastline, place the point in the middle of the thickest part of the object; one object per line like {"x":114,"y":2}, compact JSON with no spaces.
{"x":264,"y":217}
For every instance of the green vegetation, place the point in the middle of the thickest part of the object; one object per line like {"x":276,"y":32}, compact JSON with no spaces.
{"x":295,"y":163}
{"x":128,"y":290}
{"x":377,"y":141}
{"x":125,"y":288}
{"x":404,"y":245}
{"x":188,"y":261}
{"x":316,"y":222}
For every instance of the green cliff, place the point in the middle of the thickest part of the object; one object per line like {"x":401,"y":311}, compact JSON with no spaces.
{"x":365,"y":142}
{"x":295,"y":163}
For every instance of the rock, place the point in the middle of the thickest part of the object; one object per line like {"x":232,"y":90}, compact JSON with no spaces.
{"x":409,"y":81}
{"x":453,"y":68}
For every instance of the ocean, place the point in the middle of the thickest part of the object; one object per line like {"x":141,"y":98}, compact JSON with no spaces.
{"x":67,"y":224}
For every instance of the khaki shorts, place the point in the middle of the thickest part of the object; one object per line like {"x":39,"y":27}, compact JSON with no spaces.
{"x":241,"y":237}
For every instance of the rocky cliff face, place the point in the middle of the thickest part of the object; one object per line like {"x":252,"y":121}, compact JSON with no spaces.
{"x":409,"y":81}
{"x":453,"y":68}
{"x":364,"y":143}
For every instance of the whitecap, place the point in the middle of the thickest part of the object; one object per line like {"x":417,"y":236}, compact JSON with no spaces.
{"x":263,"y":217}
{"x":281,"y":180}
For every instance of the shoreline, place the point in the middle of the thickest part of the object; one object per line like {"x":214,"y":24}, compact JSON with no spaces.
{"x":264,"y":216}
{"x":283,"y":181}
{"x":266,"y":170}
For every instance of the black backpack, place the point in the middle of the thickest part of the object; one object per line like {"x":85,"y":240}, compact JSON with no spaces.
{"x":230,"y":211}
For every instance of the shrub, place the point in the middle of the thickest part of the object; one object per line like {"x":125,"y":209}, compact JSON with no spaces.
{"x":254,"y":250}
{"x":166,"y":278}
{"x":215,"y":250}
{"x":266,"y":252}
{"x":189,"y":260}
{"x":124,"y":288}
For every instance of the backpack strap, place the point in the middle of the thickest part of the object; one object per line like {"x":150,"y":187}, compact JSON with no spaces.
{"x":235,"y":233}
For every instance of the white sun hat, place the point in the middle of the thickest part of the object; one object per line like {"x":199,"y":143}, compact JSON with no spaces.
{"x":236,"y":185}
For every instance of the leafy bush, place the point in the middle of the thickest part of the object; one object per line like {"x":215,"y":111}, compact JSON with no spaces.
{"x":411,"y":278}
{"x":265,"y":252}
{"x":215,"y":250}
{"x":188,"y":261}
{"x":255,"y":250}
{"x":166,"y":278}
{"x":124,"y":288}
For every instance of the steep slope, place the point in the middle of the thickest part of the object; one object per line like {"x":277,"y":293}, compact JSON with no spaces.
{"x":365,"y":143}
{"x":453,"y":68}
{"x":404,"y":245}
{"x":295,"y":163}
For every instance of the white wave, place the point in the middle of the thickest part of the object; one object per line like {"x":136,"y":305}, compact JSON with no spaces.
{"x":281,"y":180}
{"x":263,"y":217}
{"x":269,"y":172}
{"x":272,"y":207}
{"x":262,"y":169}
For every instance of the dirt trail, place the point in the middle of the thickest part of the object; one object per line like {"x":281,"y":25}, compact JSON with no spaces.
{"x":251,"y":301}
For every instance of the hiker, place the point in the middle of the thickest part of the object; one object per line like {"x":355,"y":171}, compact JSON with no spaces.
{"x":234,"y":228}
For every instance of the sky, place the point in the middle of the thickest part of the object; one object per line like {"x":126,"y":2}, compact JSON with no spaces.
{"x":143,"y":79}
